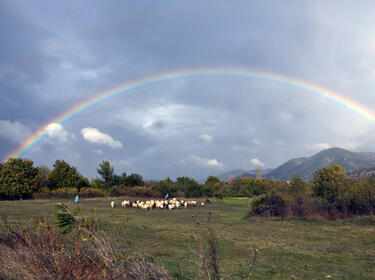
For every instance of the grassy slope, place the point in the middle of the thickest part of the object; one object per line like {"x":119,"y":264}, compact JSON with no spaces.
{"x":288,"y":249}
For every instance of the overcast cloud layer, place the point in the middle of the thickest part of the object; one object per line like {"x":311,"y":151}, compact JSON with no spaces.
{"x":56,"y":54}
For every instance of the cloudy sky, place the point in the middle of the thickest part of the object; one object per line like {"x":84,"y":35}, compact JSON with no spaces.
{"x":57,"y":54}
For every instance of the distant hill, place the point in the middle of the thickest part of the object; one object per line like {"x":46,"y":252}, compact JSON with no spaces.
{"x":362,"y":173}
{"x":239,"y":173}
{"x":305,"y":167}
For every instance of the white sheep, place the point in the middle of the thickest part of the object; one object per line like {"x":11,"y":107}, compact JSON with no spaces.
{"x":112,"y":204}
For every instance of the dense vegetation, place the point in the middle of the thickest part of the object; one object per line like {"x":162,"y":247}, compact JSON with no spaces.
{"x":329,"y":194}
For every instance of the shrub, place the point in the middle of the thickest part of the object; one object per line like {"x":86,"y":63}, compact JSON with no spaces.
{"x":146,"y":191}
{"x":69,"y":193}
{"x":92,"y":192}
{"x":268,"y":205}
{"x":297,"y":185}
{"x":59,"y":193}
{"x":121,"y":190}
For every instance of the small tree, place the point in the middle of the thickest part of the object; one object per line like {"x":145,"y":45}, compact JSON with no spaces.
{"x":327,"y":182}
{"x":297,"y":185}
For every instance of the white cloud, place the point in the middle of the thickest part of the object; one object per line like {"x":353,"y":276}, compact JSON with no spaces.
{"x":206,"y":138}
{"x":93,"y":135}
{"x":319,"y":146}
{"x":14,"y":132}
{"x":57,"y":131}
{"x":205,"y":162}
{"x":257,"y":162}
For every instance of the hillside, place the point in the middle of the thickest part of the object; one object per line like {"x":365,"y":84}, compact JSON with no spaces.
{"x":305,"y":167}
{"x":239,"y":173}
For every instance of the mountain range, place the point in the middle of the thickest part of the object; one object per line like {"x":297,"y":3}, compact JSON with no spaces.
{"x":306,"y":166}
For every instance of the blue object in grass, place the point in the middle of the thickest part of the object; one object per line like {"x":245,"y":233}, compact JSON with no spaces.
{"x":76,"y":199}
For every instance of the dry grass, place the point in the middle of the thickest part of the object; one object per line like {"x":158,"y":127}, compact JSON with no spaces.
{"x":40,"y":252}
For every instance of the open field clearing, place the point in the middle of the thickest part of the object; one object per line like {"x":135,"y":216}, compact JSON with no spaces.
{"x":288,"y":249}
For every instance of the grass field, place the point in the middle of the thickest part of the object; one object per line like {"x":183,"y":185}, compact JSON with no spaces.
{"x":288,"y":248}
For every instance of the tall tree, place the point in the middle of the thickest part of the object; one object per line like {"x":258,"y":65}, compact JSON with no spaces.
{"x":64,"y":176}
{"x":18,"y":179}
{"x":105,"y":170}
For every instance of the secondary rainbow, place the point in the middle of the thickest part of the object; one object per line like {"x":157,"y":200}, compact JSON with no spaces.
{"x":188,"y":74}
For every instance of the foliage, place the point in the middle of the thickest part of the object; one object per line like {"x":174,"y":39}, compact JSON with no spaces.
{"x":18,"y":179}
{"x":327,"y":182}
{"x":268,"y":205}
{"x":121,"y":190}
{"x":215,"y":187}
{"x":146,"y":192}
{"x":65,"y":176}
{"x":105,"y":170}
{"x":110,"y":179}
{"x":297,"y":185}
{"x":92,"y":192}
{"x":133,"y":180}
{"x":44,"y":172}
{"x":65,"y":220}
{"x":70,"y":193}
{"x":189,"y":187}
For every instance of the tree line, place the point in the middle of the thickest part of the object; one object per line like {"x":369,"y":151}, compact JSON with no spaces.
{"x":20,"y":179}
{"x":330,"y":193}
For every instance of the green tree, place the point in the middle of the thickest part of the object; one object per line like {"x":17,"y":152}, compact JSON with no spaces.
{"x":43,"y":173}
{"x":106,"y":172}
{"x":327,"y":182}
{"x":64,"y":176}
{"x":214,"y":186}
{"x":297,"y":185}
{"x":119,"y":179}
{"x":189,"y":186}
{"x":133,"y":180}
{"x":18,"y":179}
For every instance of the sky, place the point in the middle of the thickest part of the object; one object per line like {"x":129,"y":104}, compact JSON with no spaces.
{"x":57,"y":54}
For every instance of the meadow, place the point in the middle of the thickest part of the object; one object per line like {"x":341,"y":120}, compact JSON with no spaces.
{"x":287,"y":248}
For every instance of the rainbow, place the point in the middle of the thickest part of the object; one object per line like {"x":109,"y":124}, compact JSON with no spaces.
{"x":187,"y":74}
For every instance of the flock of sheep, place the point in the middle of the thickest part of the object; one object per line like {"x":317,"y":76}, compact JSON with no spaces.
{"x":162,"y":204}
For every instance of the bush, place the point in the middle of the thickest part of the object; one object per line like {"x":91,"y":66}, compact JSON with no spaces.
{"x":121,"y":190}
{"x":69,"y":193}
{"x":59,"y":193}
{"x":146,"y":192}
{"x":268,"y":205}
{"x":297,"y":185}
{"x":92,"y":192}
